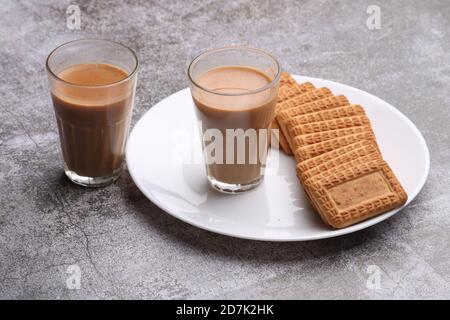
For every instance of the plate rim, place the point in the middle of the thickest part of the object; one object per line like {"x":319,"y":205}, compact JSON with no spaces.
{"x":332,"y":232}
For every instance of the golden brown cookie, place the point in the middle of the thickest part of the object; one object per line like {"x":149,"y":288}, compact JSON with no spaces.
{"x":288,"y":91}
{"x":328,"y":125}
{"x":356,"y":193}
{"x":342,"y":112}
{"x":353,"y":149}
{"x":314,"y":150}
{"x":286,"y":115}
{"x":286,"y":79}
{"x":288,"y":87}
{"x":297,"y":100}
{"x":314,"y":106}
{"x":290,"y":98}
{"x":354,"y":158}
{"x":317,"y":137}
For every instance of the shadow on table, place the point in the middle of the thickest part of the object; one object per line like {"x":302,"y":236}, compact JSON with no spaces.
{"x":249,"y":250}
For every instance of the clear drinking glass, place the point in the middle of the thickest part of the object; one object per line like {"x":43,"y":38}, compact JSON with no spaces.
{"x":94,"y":112}
{"x":234,"y":91}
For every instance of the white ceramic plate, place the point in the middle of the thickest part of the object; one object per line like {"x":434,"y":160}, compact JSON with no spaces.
{"x":165,"y":161}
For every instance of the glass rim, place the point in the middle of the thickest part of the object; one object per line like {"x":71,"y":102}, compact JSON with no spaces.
{"x":55,"y":76}
{"x":267,"y":86}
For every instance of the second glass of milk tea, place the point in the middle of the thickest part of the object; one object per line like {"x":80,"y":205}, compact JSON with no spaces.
{"x":234,"y":90}
{"x":92,"y":85}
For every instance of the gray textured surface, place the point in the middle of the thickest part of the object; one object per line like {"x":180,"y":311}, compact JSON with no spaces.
{"x":125,"y":246}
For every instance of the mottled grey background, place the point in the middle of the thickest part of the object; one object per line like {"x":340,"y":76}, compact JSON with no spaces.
{"x":128,"y":248}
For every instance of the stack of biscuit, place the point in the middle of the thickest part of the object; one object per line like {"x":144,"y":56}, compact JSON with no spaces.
{"x":338,"y":161}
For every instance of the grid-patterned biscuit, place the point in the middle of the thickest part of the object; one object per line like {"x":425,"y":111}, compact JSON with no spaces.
{"x":344,"y":166}
{"x":355,"y":158}
{"x":284,"y":116}
{"x":355,"y":194}
{"x":286,"y":79}
{"x":324,"y":163}
{"x":342,"y":112}
{"x":287,"y":98}
{"x":279,"y":140}
{"x":317,"y":149}
{"x":288,"y":88}
{"x":327,"y":125}
{"x":353,"y":149}
{"x":317,"y":137}
{"x":299,"y":99}
{"x":287,"y":92}
{"x":315,"y":106}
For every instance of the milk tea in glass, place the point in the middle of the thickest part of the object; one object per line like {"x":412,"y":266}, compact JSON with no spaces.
{"x":234,"y":90}
{"x":92,"y":85}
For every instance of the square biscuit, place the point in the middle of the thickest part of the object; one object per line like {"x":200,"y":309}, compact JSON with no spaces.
{"x":341,"y":112}
{"x":286,"y":79}
{"x":349,"y":196}
{"x":297,"y":100}
{"x":354,"y":158}
{"x":314,"y":106}
{"x":317,"y":137}
{"x":314,"y":150}
{"x":288,"y":88}
{"x":284,"y":116}
{"x":354,"y":150}
{"x":331,"y":167}
{"x":288,"y":97}
{"x":288,"y":91}
{"x":335,"y":124}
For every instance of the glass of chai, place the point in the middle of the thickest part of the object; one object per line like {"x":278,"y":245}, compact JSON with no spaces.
{"x":234,"y":91}
{"x":92,"y":85}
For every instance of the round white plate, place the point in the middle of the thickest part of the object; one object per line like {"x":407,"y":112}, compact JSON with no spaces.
{"x":165,"y":161}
